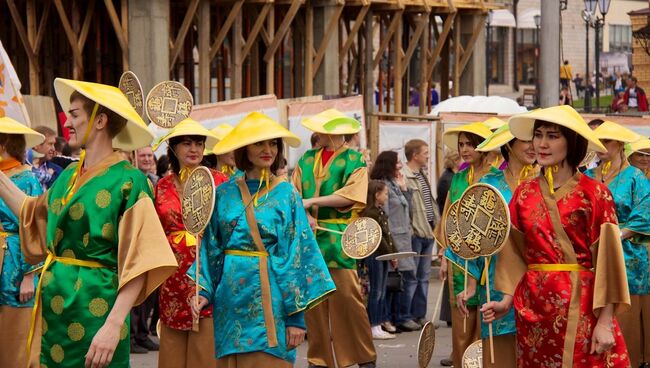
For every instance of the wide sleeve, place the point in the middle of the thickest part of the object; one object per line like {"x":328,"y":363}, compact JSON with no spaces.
{"x":639,"y":221}
{"x":33,"y":228}
{"x":297,"y":263}
{"x":32,"y":187}
{"x":355,"y":189}
{"x":610,"y":283}
{"x":296,"y":179}
{"x":512,"y":263}
{"x":143,"y":248}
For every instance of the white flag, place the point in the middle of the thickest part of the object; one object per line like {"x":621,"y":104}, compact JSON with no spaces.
{"x":11,"y":101}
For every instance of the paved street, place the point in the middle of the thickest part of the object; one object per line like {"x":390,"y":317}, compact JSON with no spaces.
{"x":398,"y":353}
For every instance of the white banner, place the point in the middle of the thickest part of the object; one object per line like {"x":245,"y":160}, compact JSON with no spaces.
{"x":11,"y":101}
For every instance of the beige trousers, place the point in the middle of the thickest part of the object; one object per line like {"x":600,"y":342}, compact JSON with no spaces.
{"x":635,"y":326}
{"x":505,"y":352}
{"x":14,"y":329}
{"x":187,"y":349}
{"x":252,"y":360}
{"x":339,"y":325}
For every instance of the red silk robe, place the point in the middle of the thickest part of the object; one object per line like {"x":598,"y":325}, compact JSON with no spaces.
{"x":556,"y":311}
{"x":175,"y":292}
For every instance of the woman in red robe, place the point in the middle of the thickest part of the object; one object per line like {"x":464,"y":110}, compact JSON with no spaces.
{"x":563,"y":267}
{"x":180,"y":346}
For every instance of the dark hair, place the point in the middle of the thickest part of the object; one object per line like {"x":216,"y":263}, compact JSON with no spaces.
{"x":14,"y":144}
{"x":173,"y":160}
{"x":115,"y":121}
{"x":596,"y":122}
{"x":243,"y":163}
{"x":210,"y":161}
{"x":162,"y":166}
{"x":413,"y":147}
{"x":384,"y":166}
{"x":474,"y":139}
{"x":374,"y":187}
{"x":66,"y":150}
{"x":505,"y":150}
{"x":314,"y":140}
{"x":576,"y":144}
{"x":60,"y":144}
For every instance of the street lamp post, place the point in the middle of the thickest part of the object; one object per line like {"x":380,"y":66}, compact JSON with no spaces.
{"x":597,"y":23}
{"x":538,"y":21}
{"x":488,"y":61}
{"x":587,"y":15}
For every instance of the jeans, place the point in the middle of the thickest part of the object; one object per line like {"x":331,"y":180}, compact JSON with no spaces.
{"x":405,"y":298}
{"x":422,"y":275}
{"x":377,"y":274}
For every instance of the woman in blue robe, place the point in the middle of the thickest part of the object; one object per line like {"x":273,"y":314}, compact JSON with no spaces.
{"x":631,"y":191}
{"x":17,"y":280}
{"x":261,"y":267}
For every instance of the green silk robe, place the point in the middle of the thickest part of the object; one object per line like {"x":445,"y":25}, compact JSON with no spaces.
{"x":110,"y":222}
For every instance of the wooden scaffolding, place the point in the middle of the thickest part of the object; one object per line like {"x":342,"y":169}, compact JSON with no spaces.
{"x":388,"y":50}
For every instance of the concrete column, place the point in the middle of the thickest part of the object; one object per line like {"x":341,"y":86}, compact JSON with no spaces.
{"x":149,"y":41}
{"x":549,"y":72}
{"x":472,"y":79}
{"x":327,"y":77}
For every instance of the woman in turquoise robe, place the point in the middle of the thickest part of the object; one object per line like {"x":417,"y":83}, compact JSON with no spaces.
{"x":17,"y":280}
{"x":631,"y":191}
{"x":261,"y":267}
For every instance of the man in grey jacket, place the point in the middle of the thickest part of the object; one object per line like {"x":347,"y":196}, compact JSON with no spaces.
{"x":424,"y":216}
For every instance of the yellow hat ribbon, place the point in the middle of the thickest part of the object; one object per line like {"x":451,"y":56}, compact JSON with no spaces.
{"x":470,"y":175}
{"x":523,"y":174}
{"x":228,"y":170}
{"x":548,"y":173}
{"x":265,"y":178}
{"x":82,"y":157}
{"x":190,"y":240}
{"x":605,"y":169}
{"x":184,"y":174}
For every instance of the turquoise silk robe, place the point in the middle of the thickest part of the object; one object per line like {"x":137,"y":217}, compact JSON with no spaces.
{"x":476,"y":267}
{"x":237,"y":278}
{"x":14,"y":265}
{"x":631,"y":192}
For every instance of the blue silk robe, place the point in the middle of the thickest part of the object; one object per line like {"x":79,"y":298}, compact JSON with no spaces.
{"x":14,"y":265}
{"x":631,"y":192}
{"x":232,"y":271}
{"x":476,"y":267}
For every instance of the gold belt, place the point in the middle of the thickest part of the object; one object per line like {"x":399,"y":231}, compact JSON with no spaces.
{"x":549,"y":267}
{"x":246,"y":253}
{"x":51,"y":258}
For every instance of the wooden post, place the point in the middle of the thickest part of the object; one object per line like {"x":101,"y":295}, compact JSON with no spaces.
{"x":424,"y":50}
{"x":457,"y":55}
{"x":309,"y":50}
{"x":368,"y":79}
{"x":34,"y":82}
{"x":398,"y":59}
{"x":444,"y":69}
{"x":236,"y":59}
{"x":124,"y":4}
{"x":204,"y":52}
{"x":270,"y":64}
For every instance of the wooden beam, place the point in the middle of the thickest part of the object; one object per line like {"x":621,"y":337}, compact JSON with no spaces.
{"x":86,"y":25}
{"x":457,"y":56}
{"x":41,"y":27}
{"x":282,"y":30}
{"x":72,"y":37}
{"x":476,"y":32}
{"x":236,"y":74}
{"x":204,"y":52}
{"x":326,"y":39}
{"x":413,"y":42}
{"x":32,"y":33}
{"x":446,"y":28}
{"x":353,"y":34}
{"x":309,"y":50}
{"x":398,"y":67}
{"x":394,"y":23}
{"x":182,"y":32}
{"x":424,"y":86}
{"x":124,"y":5}
{"x":225,"y":28}
{"x":22,"y":33}
{"x":117,"y":26}
{"x":270,"y":64}
{"x":252,"y":36}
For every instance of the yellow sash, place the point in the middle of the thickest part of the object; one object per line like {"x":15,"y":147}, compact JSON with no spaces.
{"x":550,"y":267}
{"x":190,"y":240}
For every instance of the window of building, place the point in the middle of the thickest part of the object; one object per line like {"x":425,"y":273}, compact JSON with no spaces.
{"x":527,"y":49}
{"x":497,"y":54}
{"x":620,"y":38}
